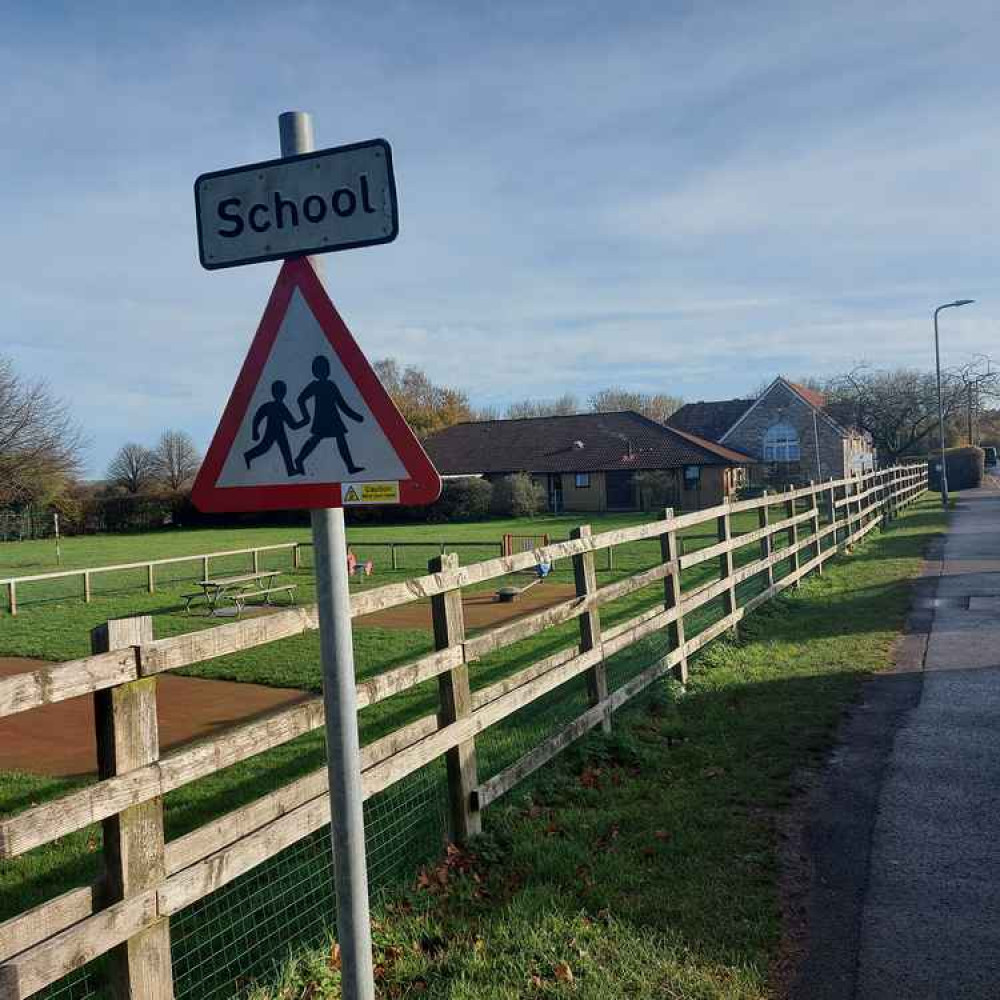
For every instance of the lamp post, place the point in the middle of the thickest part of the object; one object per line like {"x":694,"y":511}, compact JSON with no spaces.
{"x":937,"y":357}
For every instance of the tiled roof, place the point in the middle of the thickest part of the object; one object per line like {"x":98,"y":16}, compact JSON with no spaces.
{"x":812,"y":396}
{"x":584,"y":442}
{"x":709,"y":420}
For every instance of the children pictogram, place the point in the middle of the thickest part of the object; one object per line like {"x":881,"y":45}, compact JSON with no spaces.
{"x":275,"y":417}
{"x":328,"y":403}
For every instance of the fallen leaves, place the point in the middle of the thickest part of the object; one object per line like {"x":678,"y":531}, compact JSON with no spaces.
{"x":563,"y":972}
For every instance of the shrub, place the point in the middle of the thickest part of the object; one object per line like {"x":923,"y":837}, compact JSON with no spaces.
{"x":518,"y":495}
{"x":463,"y":500}
{"x":658,"y":489}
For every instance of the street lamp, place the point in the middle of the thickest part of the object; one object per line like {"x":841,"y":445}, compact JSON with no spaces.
{"x":937,"y":356}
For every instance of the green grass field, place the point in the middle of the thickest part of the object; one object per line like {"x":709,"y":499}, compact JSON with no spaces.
{"x":58,"y":629}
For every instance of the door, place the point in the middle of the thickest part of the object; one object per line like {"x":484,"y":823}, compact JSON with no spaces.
{"x":555,"y":493}
{"x":621,"y":490}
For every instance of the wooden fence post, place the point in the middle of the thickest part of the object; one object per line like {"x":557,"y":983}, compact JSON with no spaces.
{"x":12,"y":597}
{"x":764,"y":521}
{"x":455,"y":703}
{"x":393,"y":558}
{"x":669,"y":552}
{"x":848,"y":516}
{"x":256,"y":560}
{"x":724,"y":532}
{"x":832,"y":501}
{"x":204,"y":568}
{"x":793,"y":541}
{"x":150,"y":579}
{"x":86,"y":586}
{"x":128,"y":738}
{"x":585,"y":577}
{"x":814,"y":494}
{"x":296,"y":557}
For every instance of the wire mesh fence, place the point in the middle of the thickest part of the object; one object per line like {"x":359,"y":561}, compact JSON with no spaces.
{"x":243,"y":933}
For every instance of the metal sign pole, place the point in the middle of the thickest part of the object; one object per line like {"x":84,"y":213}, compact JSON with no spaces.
{"x":340,"y":699}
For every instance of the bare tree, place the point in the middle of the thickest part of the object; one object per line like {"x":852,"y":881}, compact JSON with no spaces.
{"x":566,"y":405}
{"x":655,"y":406}
{"x":133,"y":468}
{"x":41,"y":446}
{"x":899,"y":408}
{"x":176,"y":460}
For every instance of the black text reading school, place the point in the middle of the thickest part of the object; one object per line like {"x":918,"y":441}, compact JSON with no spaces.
{"x":280,"y":212}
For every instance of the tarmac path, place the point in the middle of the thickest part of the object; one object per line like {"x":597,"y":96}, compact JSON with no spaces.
{"x":905,"y":829}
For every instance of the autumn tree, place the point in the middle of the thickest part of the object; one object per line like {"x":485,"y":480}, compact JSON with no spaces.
{"x":41,"y":445}
{"x":656,"y":406}
{"x":175,"y":460}
{"x":133,"y":468}
{"x":425,"y":406}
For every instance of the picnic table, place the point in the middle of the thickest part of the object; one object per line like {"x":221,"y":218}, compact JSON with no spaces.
{"x":238,"y":590}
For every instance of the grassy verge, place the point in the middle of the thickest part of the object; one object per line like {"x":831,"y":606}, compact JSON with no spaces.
{"x":645,"y":864}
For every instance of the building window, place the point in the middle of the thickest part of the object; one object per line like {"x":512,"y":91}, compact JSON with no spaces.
{"x":692,"y":477}
{"x":781,"y":444}
{"x":583,"y":480}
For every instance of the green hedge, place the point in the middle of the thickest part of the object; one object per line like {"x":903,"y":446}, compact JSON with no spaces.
{"x":965,"y":468}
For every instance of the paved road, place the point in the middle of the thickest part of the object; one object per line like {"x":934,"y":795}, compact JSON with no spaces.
{"x":906,"y":834}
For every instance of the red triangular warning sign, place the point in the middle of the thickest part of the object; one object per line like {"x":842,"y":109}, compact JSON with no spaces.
{"x":308,"y":424}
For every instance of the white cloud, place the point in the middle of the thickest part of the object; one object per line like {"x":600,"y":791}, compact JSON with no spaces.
{"x":688,"y":199}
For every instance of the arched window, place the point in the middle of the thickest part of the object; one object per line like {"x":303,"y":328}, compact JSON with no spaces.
{"x":781,"y":444}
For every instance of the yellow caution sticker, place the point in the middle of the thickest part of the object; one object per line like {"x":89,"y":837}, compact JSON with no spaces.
{"x":352,"y":493}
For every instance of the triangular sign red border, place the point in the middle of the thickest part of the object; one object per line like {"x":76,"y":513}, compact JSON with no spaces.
{"x":423,"y":484}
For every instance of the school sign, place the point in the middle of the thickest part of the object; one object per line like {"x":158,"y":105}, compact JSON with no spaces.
{"x":308,"y":423}
{"x":332,"y":199}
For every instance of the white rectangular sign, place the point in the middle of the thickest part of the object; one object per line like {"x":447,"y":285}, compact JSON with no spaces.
{"x":333,"y":199}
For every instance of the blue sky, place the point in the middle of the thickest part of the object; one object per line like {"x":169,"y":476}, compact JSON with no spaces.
{"x":680,"y":197}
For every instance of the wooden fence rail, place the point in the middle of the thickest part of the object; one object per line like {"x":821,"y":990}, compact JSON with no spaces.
{"x":147,"y":881}
{"x":14,"y":585}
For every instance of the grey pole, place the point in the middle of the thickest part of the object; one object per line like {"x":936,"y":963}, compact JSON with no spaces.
{"x":937,"y":358}
{"x":350,"y":871}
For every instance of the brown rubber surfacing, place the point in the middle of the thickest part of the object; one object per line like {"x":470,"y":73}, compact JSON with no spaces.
{"x":481,"y":610}
{"x":58,"y":740}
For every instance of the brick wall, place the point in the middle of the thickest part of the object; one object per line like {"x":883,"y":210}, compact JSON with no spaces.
{"x":781,"y":405}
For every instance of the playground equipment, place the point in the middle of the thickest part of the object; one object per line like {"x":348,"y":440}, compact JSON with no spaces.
{"x":537,"y":573}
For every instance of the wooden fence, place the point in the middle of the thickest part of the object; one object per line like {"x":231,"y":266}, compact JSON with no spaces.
{"x":15,"y":585}
{"x":148,"y":880}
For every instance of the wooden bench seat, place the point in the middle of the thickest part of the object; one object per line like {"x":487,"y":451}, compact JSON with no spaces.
{"x":188,"y":598}
{"x":240,"y":599}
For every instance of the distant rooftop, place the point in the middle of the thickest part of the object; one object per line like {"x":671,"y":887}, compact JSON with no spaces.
{"x":582,"y":442}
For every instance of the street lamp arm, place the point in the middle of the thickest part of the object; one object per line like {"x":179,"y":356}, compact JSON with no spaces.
{"x":937,"y":359}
